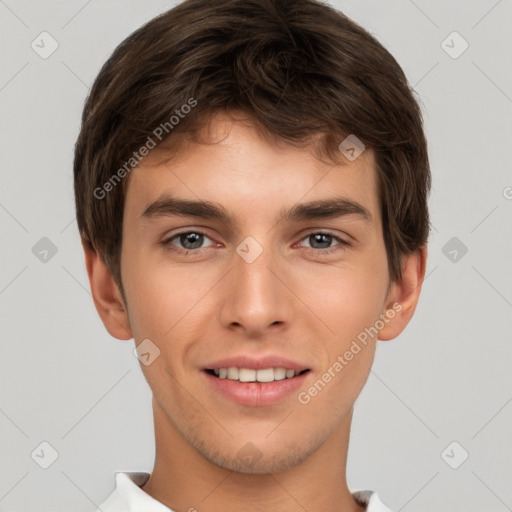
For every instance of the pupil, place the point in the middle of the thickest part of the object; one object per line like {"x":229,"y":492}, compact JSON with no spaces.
{"x":321,"y":238}
{"x":191,"y":240}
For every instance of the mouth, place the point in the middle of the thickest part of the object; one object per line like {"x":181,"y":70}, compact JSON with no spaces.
{"x":263,"y":375}
{"x":255,"y":388}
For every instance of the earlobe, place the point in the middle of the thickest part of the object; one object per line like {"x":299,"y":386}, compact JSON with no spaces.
{"x":106,"y":295}
{"x":403,"y":296}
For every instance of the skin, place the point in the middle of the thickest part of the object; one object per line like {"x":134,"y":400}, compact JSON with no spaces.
{"x":294,"y":301}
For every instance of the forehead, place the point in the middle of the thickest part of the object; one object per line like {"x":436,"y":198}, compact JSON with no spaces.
{"x":244,"y":171}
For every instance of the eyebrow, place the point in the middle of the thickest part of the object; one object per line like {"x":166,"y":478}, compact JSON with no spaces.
{"x":168,"y":206}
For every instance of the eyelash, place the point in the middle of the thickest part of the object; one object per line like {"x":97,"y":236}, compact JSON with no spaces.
{"x":342,"y":244}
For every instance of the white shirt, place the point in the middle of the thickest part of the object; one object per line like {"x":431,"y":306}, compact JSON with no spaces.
{"x":129,"y":497}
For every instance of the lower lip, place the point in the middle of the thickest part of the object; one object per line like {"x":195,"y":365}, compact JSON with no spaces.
{"x":256,"y":394}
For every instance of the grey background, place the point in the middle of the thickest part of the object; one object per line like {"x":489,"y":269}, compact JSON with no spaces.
{"x":446,"y":378}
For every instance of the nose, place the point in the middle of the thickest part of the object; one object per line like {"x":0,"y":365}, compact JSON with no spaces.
{"x":255,"y":296}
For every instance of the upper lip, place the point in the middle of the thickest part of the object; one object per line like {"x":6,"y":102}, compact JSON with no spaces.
{"x":257,"y":363}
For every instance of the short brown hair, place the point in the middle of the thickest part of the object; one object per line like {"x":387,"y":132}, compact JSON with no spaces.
{"x":299,"y":68}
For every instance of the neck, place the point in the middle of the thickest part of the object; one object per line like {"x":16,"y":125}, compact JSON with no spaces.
{"x":184,"y":480}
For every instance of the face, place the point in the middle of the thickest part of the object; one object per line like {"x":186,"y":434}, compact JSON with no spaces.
{"x":302,"y":286}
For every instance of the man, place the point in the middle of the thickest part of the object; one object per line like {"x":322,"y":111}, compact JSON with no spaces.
{"x":251,"y":182}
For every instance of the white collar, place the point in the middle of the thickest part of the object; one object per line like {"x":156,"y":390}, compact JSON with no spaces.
{"x":129,"y":497}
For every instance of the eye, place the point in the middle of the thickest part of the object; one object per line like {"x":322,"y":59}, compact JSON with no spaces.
{"x":188,"y":240}
{"x":321,"y":240}
{"x":194,"y":240}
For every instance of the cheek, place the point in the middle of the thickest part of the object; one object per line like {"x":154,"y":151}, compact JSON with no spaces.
{"x":338,"y":383}
{"x":161,"y":295}
{"x":347,"y":298}
{"x":349,"y":307}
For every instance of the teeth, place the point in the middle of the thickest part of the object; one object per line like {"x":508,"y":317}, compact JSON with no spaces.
{"x":266,"y":375}
{"x":246,"y":375}
{"x":289,"y":373}
{"x":279,"y":373}
{"x":249,"y":375}
{"x":232,"y":373}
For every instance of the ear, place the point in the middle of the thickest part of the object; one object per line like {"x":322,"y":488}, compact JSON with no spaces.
{"x":106,"y":295}
{"x":403,"y":295}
